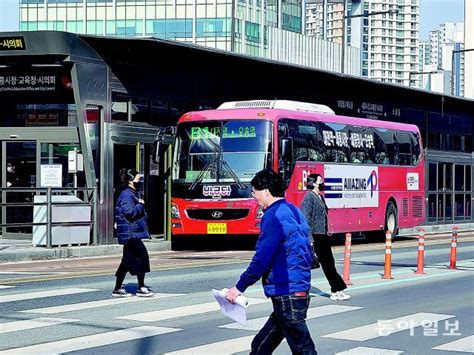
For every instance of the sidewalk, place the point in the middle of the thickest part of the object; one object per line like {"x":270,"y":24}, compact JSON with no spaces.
{"x":13,"y":250}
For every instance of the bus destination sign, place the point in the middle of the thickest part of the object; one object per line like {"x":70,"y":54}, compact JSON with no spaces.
{"x":242,"y":131}
{"x":12,"y":43}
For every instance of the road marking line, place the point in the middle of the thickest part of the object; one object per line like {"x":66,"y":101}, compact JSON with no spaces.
{"x":317,"y":312}
{"x":369,"y":351}
{"x":463,"y":345}
{"x":33,"y":324}
{"x":96,"y":304}
{"x":388,"y":326}
{"x":41,"y":294}
{"x":92,"y":341}
{"x":183,"y":311}
{"x":6,"y":286}
{"x":221,"y":347}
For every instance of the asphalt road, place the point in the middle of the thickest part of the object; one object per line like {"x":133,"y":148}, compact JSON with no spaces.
{"x":64,"y":306}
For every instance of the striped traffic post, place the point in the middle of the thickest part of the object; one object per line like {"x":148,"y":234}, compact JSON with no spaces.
{"x":387,"y":270}
{"x":421,"y":252}
{"x":347,"y":260}
{"x":454,"y":247}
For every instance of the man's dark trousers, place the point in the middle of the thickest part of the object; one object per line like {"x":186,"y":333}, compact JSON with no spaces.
{"x":286,"y":321}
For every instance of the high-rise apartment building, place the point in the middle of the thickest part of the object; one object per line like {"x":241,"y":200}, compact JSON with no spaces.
{"x":439,"y":58}
{"x":469,"y":44}
{"x":387,"y":33}
{"x":325,"y":24}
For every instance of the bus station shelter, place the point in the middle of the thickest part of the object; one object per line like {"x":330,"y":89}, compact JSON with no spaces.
{"x":76,"y":109}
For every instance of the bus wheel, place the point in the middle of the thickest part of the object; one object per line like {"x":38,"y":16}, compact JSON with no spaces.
{"x":391,"y":220}
{"x":390,"y":225}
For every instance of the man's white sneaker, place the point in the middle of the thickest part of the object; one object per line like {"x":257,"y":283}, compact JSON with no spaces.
{"x":339,"y":296}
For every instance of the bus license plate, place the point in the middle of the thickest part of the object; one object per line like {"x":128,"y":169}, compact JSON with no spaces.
{"x":216,"y":228}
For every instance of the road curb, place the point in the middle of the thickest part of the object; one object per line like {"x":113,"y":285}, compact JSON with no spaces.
{"x":39,"y":253}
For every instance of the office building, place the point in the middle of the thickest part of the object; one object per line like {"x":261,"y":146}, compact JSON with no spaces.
{"x":271,"y":29}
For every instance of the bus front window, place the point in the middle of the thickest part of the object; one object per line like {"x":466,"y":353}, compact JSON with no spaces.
{"x":221,"y":151}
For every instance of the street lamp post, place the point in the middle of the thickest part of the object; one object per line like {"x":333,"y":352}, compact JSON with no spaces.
{"x":452,"y":65}
{"x":421,"y":73}
{"x":345,"y":17}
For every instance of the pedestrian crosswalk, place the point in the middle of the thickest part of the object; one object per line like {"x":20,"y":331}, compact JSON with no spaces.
{"x":54,"y":329}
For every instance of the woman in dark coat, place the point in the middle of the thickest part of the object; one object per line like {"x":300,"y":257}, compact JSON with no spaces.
{"x":131,"y":227}
{"x":316,"y":212}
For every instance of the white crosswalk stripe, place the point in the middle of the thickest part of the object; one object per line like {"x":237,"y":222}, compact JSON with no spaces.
{"x":361,"y":350}
{"x":387,"y":327}
{"x":183,"y":311}
{"x":92,"y":341}
{"x":43,"y":294}
{"x":95,"y":304}
{"x":33,"y":324}
{"x":463,"y":345}
{"x":230,"y":342}
{"x":221,"y":347}
{"x":257,"y":323}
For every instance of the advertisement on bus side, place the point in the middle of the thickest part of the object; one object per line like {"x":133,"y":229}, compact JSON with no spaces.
{"x":356,"y":186}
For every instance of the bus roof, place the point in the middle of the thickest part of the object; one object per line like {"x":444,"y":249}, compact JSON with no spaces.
{"x":276,"y":114}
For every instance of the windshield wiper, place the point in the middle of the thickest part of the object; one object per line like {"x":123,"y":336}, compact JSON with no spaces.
{"x":208,"y":167}
{"x":232,"y":173}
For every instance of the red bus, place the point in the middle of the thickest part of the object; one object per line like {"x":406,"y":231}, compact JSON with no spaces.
{"x":373,"y":170}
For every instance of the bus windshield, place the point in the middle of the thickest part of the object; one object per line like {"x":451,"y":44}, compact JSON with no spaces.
{"x":221,"y":151}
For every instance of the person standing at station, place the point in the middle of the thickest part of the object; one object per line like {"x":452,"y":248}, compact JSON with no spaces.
{"x":316,"y":212}
{"x":283,"y":258}
{"x":131,"y":227}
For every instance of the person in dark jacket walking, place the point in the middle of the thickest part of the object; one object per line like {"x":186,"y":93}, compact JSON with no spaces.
{"x":283,"y":258}
{"x":316,"y":212}
{"x":131,"y":227}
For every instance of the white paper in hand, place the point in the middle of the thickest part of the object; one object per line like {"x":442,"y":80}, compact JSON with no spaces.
{"x":235,"y":311}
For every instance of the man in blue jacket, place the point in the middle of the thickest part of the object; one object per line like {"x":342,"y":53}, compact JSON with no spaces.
{"x":282,"y":259}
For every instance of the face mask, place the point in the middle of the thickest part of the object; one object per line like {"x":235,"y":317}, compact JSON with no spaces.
{"x":137,"y":185}
{"x":321,"y":186}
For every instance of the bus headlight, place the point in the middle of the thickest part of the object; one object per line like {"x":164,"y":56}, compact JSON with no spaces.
{"x":174,"y":211}
{"x":259,"y":213}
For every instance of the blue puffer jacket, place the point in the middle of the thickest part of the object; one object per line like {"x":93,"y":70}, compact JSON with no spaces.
{"x":130,"y":217}
{"x":283,"y":252}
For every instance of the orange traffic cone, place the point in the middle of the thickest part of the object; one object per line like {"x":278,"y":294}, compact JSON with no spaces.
{"x":387,"y":270}
{"x":421,"y":252}
{"x":454,"y":247}
{"x":347,"y":260}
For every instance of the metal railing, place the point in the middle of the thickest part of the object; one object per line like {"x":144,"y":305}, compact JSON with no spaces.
{"x":89,"y":198}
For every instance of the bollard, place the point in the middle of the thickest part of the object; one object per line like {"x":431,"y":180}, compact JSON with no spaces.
{"x":454,"y":246}
{"x":387,"y":270}
{"x":421,"y":252}
{"x":347,"y":260}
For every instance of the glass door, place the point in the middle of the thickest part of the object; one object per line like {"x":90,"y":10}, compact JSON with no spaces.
{"x":18,"y":171}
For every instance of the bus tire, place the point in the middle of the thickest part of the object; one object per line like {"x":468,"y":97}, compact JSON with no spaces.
{"x":391,"y":223}
{"x":391,"y":219}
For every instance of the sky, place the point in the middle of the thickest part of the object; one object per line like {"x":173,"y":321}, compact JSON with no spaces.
{"x":432,"y":13}
{"x":435,"y":12}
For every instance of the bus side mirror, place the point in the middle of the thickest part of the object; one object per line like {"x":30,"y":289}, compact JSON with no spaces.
{"x":287,"y":149}
{"x":164,"y":138}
